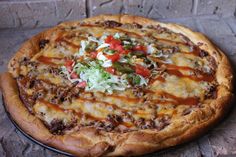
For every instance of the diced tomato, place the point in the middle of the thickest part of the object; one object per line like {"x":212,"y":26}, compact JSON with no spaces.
{"x":141,"y":70}
{"x":73,"y":75}
{"x":115,"y":57}
{"x":93,"y":54}
{"x":112,"y":46}
{"x":81,"y":84}
{"x":119,"y":48}
{"x":116,"y":47}
{"x":115,"y":42}
{"x":125,"y":51}
{"x":109,"y":39}
{"x":110,"y":70}
{"x":140,"y":48}
{"x":69,"y":68}
{"x":69,"y":64}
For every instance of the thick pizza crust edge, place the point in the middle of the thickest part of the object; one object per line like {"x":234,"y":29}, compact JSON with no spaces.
{"x":89,"y":142}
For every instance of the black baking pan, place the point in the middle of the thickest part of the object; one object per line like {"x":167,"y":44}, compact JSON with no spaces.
{"x":30,"y":137}
{"x":162,"y":152}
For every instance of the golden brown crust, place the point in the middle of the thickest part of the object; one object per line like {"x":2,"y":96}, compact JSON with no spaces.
{"x":76,"y":143}
{"x":89,"y":142}
{"x":17,"y":110}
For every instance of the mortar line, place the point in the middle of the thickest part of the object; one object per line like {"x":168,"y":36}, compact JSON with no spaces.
{"x":194,"y":7}
{"x":208,"y":144}
{"x":87,"y":8}
{"x":122,"y":8}
{"x":27,"y":1}
{"x":3,"y":146}
{"x":230,"y":27}
{"x":199,"y":26}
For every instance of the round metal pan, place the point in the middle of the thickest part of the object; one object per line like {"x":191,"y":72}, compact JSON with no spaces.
{"x":63,"y":152}
{"x":30,"y":137}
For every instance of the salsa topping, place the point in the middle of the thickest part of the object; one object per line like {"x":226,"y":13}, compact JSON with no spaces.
{"x":117,"y":62}
{"x":112,"y":62}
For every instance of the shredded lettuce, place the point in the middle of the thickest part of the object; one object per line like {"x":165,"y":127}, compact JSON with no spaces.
{"x":143,"y":81}
{"x":67,"y":74}
{"x":98,"y":79}
{"x":93,"y":72}
{"x":104,"y":61}
{"x":151,"y":49}
{"x":94,"y":39}
{"x":117,"y":36}
{"x":103,"y":45}
{"x":83,"y":45}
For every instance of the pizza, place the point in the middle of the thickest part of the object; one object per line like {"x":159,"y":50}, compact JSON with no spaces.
{"x":117,"y":85}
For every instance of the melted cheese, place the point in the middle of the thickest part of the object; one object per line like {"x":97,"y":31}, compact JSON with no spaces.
{"x":51,"y":78}
{"x":102,"y":105}
{"x":181,"y":87}
{"x":48,"y":113}
{"x":192,"y":61}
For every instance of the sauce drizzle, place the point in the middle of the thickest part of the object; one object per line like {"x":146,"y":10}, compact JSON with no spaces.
{"x":49,"y":60}
{"x":71,"y":44}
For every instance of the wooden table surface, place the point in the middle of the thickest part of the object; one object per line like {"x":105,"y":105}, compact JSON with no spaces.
{"x":220,"y":141}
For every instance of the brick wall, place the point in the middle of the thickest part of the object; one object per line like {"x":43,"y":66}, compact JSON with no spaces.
{"x":215,"y":18}
{"x":44,"y":13}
